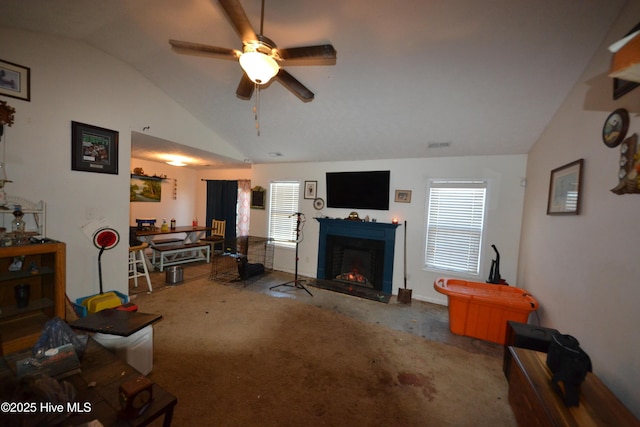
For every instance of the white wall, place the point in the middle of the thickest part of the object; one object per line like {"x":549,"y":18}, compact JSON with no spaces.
{"x":72,"y":82}
{"x":585,"y":268}
{"x":506,"y":195}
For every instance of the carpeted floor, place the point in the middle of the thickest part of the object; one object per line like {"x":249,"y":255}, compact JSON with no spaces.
{"x":239,"y":358}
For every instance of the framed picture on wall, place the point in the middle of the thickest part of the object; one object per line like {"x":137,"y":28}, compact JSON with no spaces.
{"x":403,"y":196}
{"x":564,"y":189}
{"x":93,"y":149}
{"x":310,"y":190}
{"x":258,"y":195}
{"x":15,"y":80}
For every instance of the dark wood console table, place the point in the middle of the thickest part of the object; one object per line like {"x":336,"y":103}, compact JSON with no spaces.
{"x":535,"y":403}
{"x":102,"y":373}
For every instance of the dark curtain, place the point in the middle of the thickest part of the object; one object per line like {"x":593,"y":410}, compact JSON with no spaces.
{"x":222,"y":200}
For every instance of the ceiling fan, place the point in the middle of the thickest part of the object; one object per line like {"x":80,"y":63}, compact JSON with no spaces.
{"x":260,"y":58}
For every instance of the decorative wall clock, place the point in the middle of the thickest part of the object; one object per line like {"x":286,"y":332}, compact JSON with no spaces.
{"x":615,"y":128}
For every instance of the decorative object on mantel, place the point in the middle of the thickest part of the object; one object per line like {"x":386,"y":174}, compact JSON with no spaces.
{"x":629,"y":163}
{"x":615,"y":128}
{"x":353,"y":216}
{"x":625,"y":64}
{"x":93,"y":149}
{"x":15,"y":80}
{"x":564,"y":189}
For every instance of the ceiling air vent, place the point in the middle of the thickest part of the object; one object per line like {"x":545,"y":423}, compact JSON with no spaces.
{"x":439,"y":144}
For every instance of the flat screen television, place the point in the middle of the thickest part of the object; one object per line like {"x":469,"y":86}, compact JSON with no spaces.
{"x":358,"y":190}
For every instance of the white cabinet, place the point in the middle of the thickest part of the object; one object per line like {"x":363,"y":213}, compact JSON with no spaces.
{"x":34,"y":215}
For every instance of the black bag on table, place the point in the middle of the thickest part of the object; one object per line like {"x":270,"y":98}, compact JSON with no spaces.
{"x":569,"y":365}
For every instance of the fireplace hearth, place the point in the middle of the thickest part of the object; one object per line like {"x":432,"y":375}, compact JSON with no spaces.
{"x":357,"y":253}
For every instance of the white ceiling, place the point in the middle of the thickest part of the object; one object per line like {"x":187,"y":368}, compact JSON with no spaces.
{"x":485,"y":76}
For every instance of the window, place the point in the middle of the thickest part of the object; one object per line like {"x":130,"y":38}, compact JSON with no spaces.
{"x":283,"y":203}
{"x":455,"y":219}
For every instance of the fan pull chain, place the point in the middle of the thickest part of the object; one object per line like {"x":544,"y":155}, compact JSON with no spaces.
{"x":256,"y":109}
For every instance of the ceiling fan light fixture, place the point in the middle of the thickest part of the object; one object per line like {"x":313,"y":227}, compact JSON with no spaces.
{"x":260,"y":68}
{"x":176,"y":163}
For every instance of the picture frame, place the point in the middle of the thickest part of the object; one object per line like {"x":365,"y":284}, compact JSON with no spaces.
{"x":622,"y":87}
{"x":615,"y":128}
{"x":145,"y":189}
{"x":403,"y":196}
{"x":565,"y":189}
{"x":93,"y":149}
{"x":258,"y":197}
{"x":311,"y":190}
{"x":15,"y":80}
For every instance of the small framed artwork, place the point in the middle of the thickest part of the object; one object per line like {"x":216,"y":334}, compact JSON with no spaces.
{"x":403,"y":196}
{"x":93,"y":149}
{"x":310,"y":190}
{"x":15,"y":80}
{"x":564,"y":189}
{"x":615,"y":128}
{"x":258,"y":197}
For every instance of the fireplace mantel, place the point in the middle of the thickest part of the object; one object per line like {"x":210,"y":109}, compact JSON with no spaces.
{"x":359,"y":230}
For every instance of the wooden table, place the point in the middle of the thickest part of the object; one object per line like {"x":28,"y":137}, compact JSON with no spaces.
{"x":535,"y":402}
{"x":115,"y":322}
{"x":192,"y":233}
{"x":98,"y":389}
{"x":188,"y":234}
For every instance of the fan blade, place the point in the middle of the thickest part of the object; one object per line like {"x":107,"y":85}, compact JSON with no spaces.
{"x":311,"y":55}
{"x":189,"y":48}
{"x":294,"y":86}
{"x":245,"y":88}
{"x":239,"y":19}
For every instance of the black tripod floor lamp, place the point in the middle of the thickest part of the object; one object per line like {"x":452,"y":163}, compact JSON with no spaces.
{"x":295,"y":283}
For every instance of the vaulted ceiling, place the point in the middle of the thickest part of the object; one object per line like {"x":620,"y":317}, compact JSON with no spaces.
{"x":412,"y":76}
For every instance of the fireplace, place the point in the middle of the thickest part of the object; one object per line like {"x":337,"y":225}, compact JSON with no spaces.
{"x":355,"y":261}
{"x":358,"y":253}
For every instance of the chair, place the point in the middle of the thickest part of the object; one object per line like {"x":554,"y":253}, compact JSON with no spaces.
{"x":136,"y":258}
{"x":218,"y":228}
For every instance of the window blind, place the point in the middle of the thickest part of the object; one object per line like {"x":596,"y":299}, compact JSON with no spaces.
{"x":455,"y":220}
{"x":283,"y":203}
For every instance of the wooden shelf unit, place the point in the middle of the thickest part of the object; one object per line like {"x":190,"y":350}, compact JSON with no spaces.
{"x":21,"y":327}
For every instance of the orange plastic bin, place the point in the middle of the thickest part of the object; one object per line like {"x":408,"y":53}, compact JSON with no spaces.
{"x":481,"y":310}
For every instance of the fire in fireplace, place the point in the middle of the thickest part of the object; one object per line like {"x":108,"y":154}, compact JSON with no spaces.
{"x":357,"y":261}
{"x":356,"y":266}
